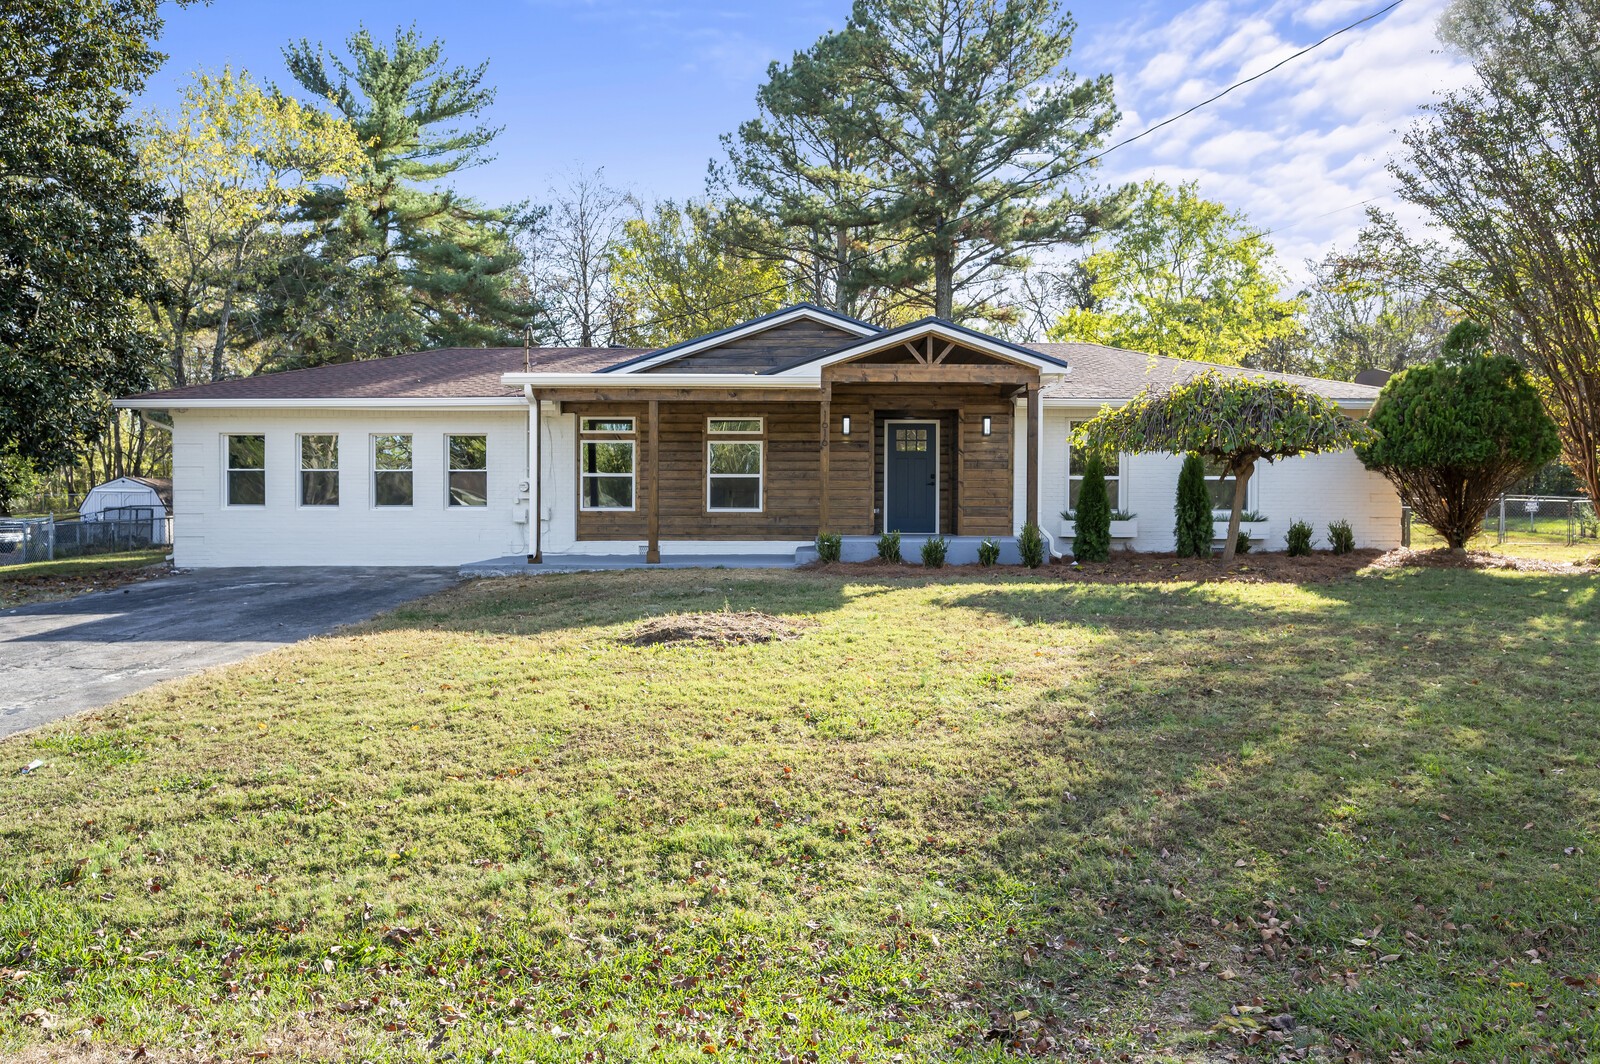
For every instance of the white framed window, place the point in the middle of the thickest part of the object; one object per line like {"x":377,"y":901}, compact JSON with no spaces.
{"x":391,"y":470}
{"x":1221,"y":483}
{"x":247,"y":470}
{"x":1075,"y":464}
{"x":608,"y":465}
{"x":736,"y":457}
{"x":319,"y":470}
{"x":467,"y":474}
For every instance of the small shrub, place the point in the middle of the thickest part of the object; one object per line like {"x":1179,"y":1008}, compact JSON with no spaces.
{"x":988,"y":552}
{"x":1242,"y":544}
{"x":1193,"y":510}
{"x":1299,"y":538}
{"x":1123,"y":515}
{"x":1091,"y":540}
{"x":1031,"y":545}
{"x":1252,"y":515}
{"x":830,"y":546}
{"x":934,"y":548}
{"x":1341,"y":537}
{"x":889,"y":547}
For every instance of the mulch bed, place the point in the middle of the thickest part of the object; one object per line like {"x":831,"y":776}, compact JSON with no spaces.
{"x":1441,"y":558}
{"x":725,"y":628}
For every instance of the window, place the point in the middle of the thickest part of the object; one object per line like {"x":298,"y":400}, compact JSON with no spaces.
{"x":469,"y":470}
{"x":319,"y":471}
{"x":1075,"y":475}
{"x":734,"y":465}
{"x":391,"y":470}
{"x":247,"y":470}
{"x":1221,"y":484}
{"x":606,"y":465}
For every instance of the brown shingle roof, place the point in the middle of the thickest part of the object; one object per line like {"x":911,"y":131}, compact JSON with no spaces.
{"x":445,"y":373}
{"x":1114,"y":373}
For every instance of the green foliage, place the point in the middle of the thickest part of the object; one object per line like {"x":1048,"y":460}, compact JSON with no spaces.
{"x":675,"y":273}
{"x":934,"y":549}
{"x":1193,"y":509}
{"x":1232,"y":418}
{"x":72,"y":271}
{"x":1091,"y":537}
{"x":1299,"y":539}
{"x":1030,"y":544}
{"x":889,"y":547}
{"x":241,"y":160}
{"x":402,"y":261}
{"x":1187,"y":278}
{"x":1508,"y":166}
{"x":1241,"y":543}
{"x":1455,"y":434}
{"x":988,"y":552}
{"x":1341,"y":537}
{"x":958,"y":133}
{"x":830,"y":546}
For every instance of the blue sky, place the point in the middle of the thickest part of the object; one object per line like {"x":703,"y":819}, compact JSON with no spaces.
{"x":644,"y":87}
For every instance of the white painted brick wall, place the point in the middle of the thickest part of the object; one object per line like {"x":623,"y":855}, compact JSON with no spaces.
{"x":208,"y":533}
{"x":1317,"y":488}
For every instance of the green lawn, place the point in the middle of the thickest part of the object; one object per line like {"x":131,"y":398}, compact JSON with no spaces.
{"x":65,"y":577}
{"x":954,"y":819}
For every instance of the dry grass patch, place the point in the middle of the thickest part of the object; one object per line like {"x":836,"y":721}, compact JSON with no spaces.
{"x":724,"y":628}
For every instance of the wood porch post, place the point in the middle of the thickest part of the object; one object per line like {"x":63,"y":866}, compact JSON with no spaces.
{"x":535,"y":537}
{"x":652,"y":554}
{"x":823,"y":458}
{"x":1034,"y":418}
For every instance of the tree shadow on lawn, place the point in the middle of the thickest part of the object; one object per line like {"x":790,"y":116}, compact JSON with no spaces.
{"x":1366,"y":804}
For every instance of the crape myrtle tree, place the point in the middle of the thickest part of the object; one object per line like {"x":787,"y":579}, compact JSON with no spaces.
{"x":1454,"y":434}
{"x":1235,"y":420}
{"x":1509,"y":167}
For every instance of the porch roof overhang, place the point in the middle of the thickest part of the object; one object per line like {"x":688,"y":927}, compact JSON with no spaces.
{"x":929,"y":328}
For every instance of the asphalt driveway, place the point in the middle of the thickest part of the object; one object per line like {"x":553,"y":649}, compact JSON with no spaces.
{"x":57,"y":658}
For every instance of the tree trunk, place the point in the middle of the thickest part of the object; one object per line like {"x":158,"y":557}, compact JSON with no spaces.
{"x":1241,"y":482}
{"x":944,"y":279}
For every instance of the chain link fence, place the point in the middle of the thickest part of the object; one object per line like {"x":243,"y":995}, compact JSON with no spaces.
{"x":42,"y":539}
{"x":1525,"y":521}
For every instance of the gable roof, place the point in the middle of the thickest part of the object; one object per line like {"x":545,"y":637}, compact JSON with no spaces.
{"x":441,"y":374}
{"x":783,"y":316}
{"x":1114,"y":373}
{"x":930,"y":326}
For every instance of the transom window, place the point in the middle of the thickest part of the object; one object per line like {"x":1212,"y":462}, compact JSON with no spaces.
{"x":468,"y":458}
{"x":1075,"y":466}
{"x":735,"y":466}
{"x":247,"y":470}
{"x":606,"y":466}
{"x":391,"y":470}
{"x":319,"y":470}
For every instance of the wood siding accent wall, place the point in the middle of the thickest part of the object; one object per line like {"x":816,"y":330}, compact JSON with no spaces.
{"x":976,"y":504}
{"x":781,"y":345}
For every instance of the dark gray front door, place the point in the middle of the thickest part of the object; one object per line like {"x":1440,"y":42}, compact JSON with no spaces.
{"x":911,"y":477}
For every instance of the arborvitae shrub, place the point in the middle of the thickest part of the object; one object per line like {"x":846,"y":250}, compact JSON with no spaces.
{"x":1193,"y":510}
{"x":988,"y":552}
{"x":934,"y":548}
{"x":830,"y":546}
{"x":1092,"y":537}
{"x":889,"y":547}
{"x":1299,"y":538}
{"x":1242,"y":544}
{"x":1031,"y":545}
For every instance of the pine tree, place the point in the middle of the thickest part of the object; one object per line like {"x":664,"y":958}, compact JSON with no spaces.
{"x":1193,"y":510}
{"x":1091,"y":540}
{"x":432,"y":267}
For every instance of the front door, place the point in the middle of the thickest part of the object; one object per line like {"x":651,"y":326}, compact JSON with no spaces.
{"x":911,"y":477}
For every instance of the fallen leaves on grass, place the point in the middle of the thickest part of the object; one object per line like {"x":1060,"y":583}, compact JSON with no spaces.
{"x":1443,"y":558}
{"x":725,"y":628}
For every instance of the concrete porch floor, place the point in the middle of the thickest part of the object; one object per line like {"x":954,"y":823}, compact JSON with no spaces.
{"x":518,"y":565}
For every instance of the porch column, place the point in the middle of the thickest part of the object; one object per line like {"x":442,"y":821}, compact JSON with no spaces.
{"x":652,"y":554}
{"x":535,"y":546}
{"x":823,"y":460}
{"x":1034,"y":428}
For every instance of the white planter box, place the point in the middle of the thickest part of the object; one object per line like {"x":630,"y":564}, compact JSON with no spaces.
{"x":1254,"y":529}
{"x":1119,"y":529}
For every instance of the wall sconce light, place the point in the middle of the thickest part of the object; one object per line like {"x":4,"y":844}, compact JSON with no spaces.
{"x":988,"y":425}
{"x":845,"y":425}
